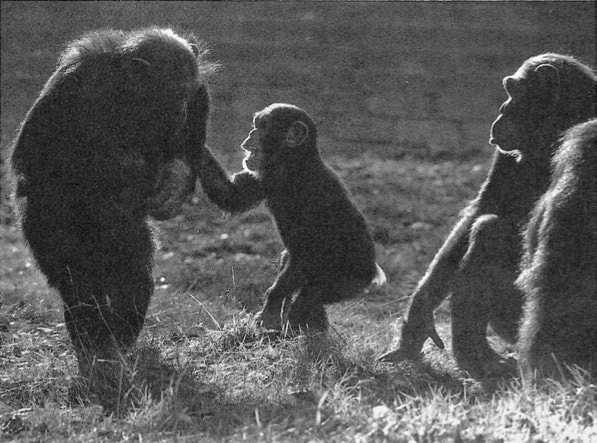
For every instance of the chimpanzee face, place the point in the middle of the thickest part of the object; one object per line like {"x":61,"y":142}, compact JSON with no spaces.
{"x":527,"y":115}
{"x":253,"y":147}
{"x":277,"y":131}
{"x":508,"y":130}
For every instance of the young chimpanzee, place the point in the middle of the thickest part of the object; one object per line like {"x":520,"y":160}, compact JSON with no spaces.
{"x":329,"y":253}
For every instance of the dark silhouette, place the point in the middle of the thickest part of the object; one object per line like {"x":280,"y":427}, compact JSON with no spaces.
{"x":329,"y":253}
{"x":114,"y":136}
{"x":480,"y":259}
{"x":559,"y":267}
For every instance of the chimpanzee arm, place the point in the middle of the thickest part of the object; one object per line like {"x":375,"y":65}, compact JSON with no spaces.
{"x":36,"y":132}
{"x":239,"y":193}
{"x":433,"y":288}
{"x":196,"y":127}
{"x":435,"y":284}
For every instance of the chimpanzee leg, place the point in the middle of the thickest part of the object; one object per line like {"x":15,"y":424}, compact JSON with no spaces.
{"x":103,"y":326}
{"x":106,"y":294}
{"x":307,"y":310}
{"x":484,"y":276}
{"x":279,"y":295}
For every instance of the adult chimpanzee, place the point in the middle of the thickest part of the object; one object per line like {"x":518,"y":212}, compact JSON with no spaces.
{"x":329,"y":253}
{"x":114,"y":136}
{"x":559,"y":267}
{"x":479,"y":261}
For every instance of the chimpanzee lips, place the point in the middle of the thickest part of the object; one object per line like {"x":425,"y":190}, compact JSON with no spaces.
{"x":248,"y":148}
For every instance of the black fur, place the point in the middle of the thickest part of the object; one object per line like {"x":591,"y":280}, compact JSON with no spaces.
{"x":329,"y":254}
{"x":113,"y":137}
{"x":479,"y":261}
{"x":559,"y":268}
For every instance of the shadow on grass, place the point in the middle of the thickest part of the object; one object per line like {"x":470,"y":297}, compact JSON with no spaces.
{"x":222,"y":383}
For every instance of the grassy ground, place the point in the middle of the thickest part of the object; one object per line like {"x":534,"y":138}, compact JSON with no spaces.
{"x":227,"y":380}
{"x":202,"y":370}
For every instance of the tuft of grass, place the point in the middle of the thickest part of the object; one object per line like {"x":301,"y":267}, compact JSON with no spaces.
{"x":204,"y":371}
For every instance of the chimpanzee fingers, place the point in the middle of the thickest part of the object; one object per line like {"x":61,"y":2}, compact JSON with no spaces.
{"x":411,"y":351}
{"x":410,"y":348}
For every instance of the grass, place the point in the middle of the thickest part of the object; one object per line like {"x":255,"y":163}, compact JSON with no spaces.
{"x":403,"y":95}
{"x":203,"y":371}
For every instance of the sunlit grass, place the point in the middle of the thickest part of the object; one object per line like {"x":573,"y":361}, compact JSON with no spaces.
{"x":203,"y":370}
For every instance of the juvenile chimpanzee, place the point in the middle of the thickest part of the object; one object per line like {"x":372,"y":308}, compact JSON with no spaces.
{"x":479,"y":261}
{"x":113,"y":137}
{"x":329,"y":253}
{"x":559,"y":267}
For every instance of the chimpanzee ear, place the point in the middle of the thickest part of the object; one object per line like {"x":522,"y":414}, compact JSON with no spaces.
{"x":547,"y":83}
{"x":297,"y":134}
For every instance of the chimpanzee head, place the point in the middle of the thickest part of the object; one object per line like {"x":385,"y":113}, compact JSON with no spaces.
{"x":546,"y":95}
{"x":166,"y":74}
{"x":281,"y":134}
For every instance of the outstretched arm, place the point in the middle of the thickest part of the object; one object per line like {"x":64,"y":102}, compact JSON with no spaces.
{"x":238,"y":193}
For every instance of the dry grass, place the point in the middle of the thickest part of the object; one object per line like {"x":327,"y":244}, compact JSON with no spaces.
{"x":203,"y":371}
{"x":238,"y":384}
{"x":403,"y":94}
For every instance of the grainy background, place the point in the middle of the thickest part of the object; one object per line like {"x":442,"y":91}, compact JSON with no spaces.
{"x":375,"y":76}
{"x":403,"y":94}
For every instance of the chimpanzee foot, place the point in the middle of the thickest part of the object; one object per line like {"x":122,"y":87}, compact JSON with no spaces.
{"x":271,"y":316}
{"x":104,"y":378}
{"x":488,"y":364}
{"x":305,"y":315}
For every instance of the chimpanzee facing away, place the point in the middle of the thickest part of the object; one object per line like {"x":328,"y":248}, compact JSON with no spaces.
{"x":114,"y":136}
{"x":559,"y":267}
{"x":329,"y":253}
{"x":480,"y":259}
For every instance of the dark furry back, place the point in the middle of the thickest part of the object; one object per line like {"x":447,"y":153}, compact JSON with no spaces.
{"x":559,"y":270}
{"x":318,"y":222}
{"x":110,"y":140}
